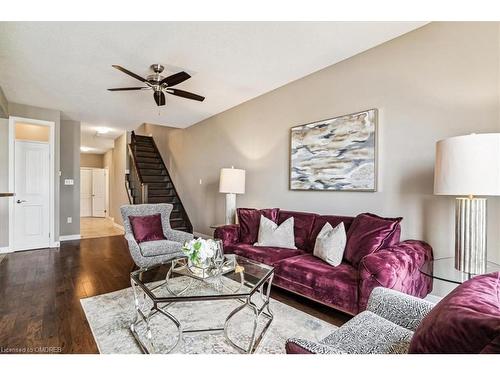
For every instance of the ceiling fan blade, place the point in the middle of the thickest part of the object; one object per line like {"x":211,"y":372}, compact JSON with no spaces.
{"x":159,"y":98}
{"x":129,"y":73}
{"x":175,"y":79}
{"x":128,"y":88}
{"x":185,"y":94}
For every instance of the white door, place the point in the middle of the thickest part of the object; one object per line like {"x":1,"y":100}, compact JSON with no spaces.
{"x":31,"y":215}
{"x":98,"y":193}
{"x":85,"y":192}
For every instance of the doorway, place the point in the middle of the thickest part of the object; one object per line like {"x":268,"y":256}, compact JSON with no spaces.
{"x":93,"y":192}
{"x":94,"y":204}
{"x":31,"y":178}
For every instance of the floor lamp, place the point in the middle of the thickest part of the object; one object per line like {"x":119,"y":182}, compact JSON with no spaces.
{"x":232,"y":182}
{"x":469,"y":166}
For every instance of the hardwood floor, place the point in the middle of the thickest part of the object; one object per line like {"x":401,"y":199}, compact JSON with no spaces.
{"x":40,"y":293}
{"x":93,"y":227}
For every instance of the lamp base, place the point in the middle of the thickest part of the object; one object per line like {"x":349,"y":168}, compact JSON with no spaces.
{"x":230,"y":208}
{"x":470,"y":235}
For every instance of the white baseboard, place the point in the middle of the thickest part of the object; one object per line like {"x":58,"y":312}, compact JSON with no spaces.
{"x":119,"y":226}
{"x":70,"y":237}
{"x":5,"y":250}
{"x":202,"y":235}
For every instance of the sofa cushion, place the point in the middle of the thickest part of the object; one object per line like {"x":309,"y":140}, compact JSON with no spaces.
{"x":249,"y":219}
{"x":267,"y":255}
{"x":147,"y":228}
{"x":321,"y":220}
{"x":303,"y":224}
{"x":369,"y":233}
{"x":162,"y":247}
{"x":272,"y":234}
{"x":466,"y":321}
{"x":330,"y":244}
{"x":316,"y":279}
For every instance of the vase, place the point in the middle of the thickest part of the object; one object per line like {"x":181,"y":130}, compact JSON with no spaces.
{"x":200,"y":264}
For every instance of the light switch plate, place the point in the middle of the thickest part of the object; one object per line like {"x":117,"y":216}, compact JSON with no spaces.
{"x":70,"y":220}
{"x":69,"y":181}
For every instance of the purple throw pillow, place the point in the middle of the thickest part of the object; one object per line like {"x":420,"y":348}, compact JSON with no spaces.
{"x":369,"y":233}
{"x":147,"y":228}
{"x":249,"y":220}
{"x":466,"y":321}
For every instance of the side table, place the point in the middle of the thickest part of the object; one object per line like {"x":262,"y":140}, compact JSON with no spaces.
{"x":444,"y":269}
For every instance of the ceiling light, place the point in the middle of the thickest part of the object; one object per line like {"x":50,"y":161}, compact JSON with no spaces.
{"x":84,"y":149}
{"x":102,"y":131}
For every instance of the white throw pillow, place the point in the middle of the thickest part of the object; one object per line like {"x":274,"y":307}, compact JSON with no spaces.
{"x":270,"y":234}
{"x":330,"y":244}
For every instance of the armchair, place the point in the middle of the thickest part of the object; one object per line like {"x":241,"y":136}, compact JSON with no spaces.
{"x":147,"y":254}
{"x":385,"y":327}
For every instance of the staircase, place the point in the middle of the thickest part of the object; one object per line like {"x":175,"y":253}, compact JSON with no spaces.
{"x":150,"y":182}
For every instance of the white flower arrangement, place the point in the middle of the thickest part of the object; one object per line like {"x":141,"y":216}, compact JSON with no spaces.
{"x":200,"y":251}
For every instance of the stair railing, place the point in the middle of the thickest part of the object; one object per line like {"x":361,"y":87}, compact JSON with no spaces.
{"x":135,"y":174}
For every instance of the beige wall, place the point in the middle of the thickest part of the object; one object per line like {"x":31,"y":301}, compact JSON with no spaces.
{"x":115,"y":161}
{"x":439,"y":81}
{"x":91,"y":160}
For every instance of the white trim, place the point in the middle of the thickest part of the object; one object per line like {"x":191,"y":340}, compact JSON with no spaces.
{"x":52,"y":173}
{"x":70,"y":237}
{"x":119,"y":226}
{"x":5,"y":250}
{"x":202,"y":235}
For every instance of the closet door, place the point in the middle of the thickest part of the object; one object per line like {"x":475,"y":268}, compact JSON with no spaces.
{"x":98,"y":193}
{"x":85,"y":192}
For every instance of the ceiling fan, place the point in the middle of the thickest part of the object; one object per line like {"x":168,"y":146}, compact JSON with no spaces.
{"x":160,"y":84}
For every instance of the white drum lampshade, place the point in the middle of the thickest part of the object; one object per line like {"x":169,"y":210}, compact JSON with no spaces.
{"x":232,"y":182}
{"x":469,"y":166}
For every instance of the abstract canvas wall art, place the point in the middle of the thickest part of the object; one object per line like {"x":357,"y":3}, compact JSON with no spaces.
{"x":338,"y":154}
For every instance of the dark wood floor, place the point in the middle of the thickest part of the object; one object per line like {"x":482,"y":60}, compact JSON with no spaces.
{"x":40,"y":294}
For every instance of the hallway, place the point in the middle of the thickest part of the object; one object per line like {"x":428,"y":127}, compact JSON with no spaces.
{"x":94,"y":227}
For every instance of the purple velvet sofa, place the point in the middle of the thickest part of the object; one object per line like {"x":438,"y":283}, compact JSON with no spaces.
{"x":374,"y":256}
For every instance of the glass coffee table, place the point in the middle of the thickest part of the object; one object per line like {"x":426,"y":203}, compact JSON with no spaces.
{"x":157,"y":289}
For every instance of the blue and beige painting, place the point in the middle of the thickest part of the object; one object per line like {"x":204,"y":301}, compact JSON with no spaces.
{"x":335,"y":154}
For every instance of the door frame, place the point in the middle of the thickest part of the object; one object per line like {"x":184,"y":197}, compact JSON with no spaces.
{"x":52,"y":195}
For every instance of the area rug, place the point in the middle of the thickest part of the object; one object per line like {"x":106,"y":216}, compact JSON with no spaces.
{"x":110,"y":315}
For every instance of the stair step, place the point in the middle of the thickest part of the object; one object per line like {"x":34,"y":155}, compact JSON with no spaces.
{"x":157,"y":165}
{"x":147,"y":179}
{"x":147,"y":154}
{"x":153,"y":172}
{"x":161,"y":193}
{"x":147,"y":160}
{"x":144,"y":148}
{"x":171,"y":200}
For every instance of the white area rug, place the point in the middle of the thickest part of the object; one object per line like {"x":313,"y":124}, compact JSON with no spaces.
{"x":110,"y":315}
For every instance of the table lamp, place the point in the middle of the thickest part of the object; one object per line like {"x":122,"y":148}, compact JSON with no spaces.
{"x":232,"y":182}
{"x":469,"y":166}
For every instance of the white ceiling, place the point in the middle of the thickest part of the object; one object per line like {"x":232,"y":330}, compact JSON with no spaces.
{"x":67,"y":66}
{"x":93,"y":141}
